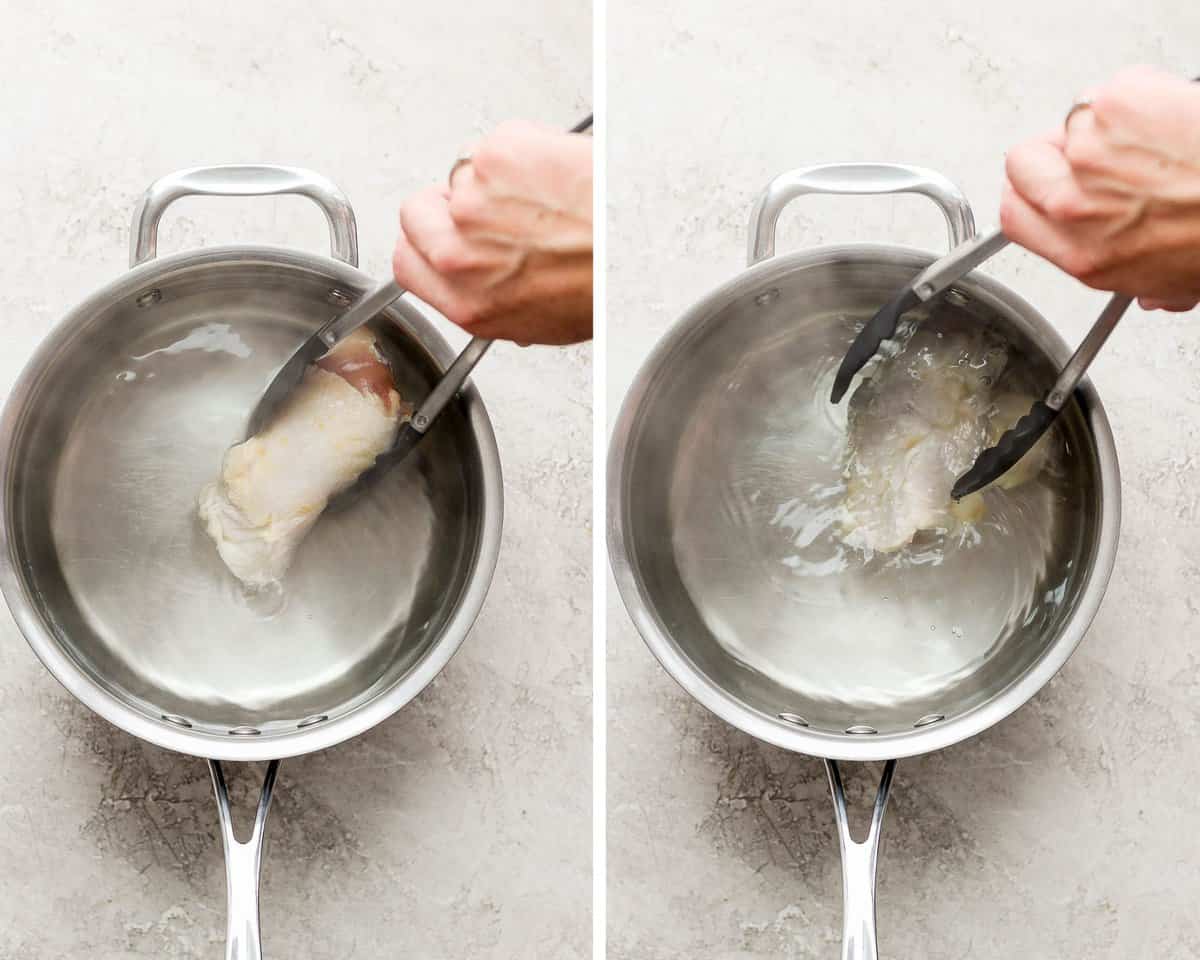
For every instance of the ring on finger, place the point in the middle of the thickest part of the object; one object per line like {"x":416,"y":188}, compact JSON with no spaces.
{"x":1083,"y":103}
{"x":461,"y":162}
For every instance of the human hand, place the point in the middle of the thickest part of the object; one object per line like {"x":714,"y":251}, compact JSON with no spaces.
{"x":1114,"y":200}
{"x":505,"y":251}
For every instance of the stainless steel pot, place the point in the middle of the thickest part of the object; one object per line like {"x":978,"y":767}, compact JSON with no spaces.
{"x":97,"y":506}
{"x":779,"y":307}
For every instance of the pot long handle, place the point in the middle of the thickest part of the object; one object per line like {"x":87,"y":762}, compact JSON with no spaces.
{"x":242,"y":864}
{"x":855,"y":178}
{"x":243,"y":180}
{"x":858,"y":867}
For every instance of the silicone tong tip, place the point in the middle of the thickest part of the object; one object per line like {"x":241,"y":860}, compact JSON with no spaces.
{"x":996,"y":461}
{"x":870,"y":338}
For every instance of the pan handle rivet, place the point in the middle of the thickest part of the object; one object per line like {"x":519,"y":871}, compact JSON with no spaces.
{"x":793,"y":718}
{"x":339,"y":297}
{"x":177,"y":720}
{"x":245,"y":732}
{"x":928,"y":719}
{"x":861,"y":729}
{"x":767,"y":296}
{"x":149,"y":298}
{"x":309,"y":721}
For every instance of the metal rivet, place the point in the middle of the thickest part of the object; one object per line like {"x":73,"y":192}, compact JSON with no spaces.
{"x":340,"y":297}
{"x":149,"y":298}
{"x":957,"y":297}
{"x":767,"y":296}
{"x":928,"y":719}
{"x":420,"y":421}
{"x":177,"y":720}
{"x":924,"y":290}
{"x":245,"y":732}
{"x":860,"y":729}
{"x":309,"y":721}
{"x":793,"y":718}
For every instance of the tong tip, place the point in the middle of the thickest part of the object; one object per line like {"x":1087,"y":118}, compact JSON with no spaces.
{"x":880,"y":327}
{"x":996,"y":461}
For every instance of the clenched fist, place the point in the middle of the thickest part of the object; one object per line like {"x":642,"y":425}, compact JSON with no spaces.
{"x":1115,"y":198}
{"x":505,"y":251}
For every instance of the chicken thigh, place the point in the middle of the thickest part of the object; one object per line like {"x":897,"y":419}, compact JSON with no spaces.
{"x":273,"y":487}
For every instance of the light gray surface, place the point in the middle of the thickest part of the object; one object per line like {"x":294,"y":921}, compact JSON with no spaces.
{"x":1065,"y":831}
{"x":458,"y":828}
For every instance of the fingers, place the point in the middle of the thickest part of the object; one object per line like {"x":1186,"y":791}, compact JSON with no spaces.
{"x":1111,"y":199}
{"x":1040,"y":171}
{"x":1171,"y":306}
{"x":505,"y":247}
{"x":426,"y":221}
{"x":539,"y":166}
{"x":442,"y":264}
{"x":508,"y":157}
{"x":1026,"y":225}
{"x":414,"y":273}
{"x":1142,"y":100}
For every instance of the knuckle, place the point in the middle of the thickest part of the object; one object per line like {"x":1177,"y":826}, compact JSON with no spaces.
{"x":458,"y":256}
{"x":412,"y":212}
{"x":466,"y":313}
{"x":1125,"y":91}
{"x":1093,"y":278}
{"x":489,"y":158}
{"x":466,"y":206}
{"x":499,"y":150}
{"x":1014,"y":160}
{"x":1080,"y":263}
{"x":1023,"y":157}
{"x":1067,"y":206}
{"x":1083,"y":152}
{"x":1109,"y":103}
{"x":448,"y":258}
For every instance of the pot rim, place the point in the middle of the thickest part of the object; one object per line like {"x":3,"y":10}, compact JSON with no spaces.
{"x":274,"y":745}
{"x":840,"y":746}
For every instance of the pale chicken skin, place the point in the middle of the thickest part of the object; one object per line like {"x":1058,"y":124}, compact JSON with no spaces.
{"x":915,"y":426}
{"x":273,"y":487}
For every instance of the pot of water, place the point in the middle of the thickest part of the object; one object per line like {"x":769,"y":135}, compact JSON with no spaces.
{"x":728,"y":486}
{"x":120,"y":419}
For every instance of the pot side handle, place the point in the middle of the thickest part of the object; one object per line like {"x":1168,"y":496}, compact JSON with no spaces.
{"x":855,"y":178}
{"x":243,"y":861}
{"x":858,"y":867}
{"x":243,"y":180}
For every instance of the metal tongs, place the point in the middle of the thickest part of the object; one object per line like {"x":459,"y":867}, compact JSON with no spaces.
{"x":935,"y":279}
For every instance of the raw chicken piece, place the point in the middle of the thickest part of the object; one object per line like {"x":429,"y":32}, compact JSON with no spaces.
{"x":913,"y":428}
{"x":273,"y":487}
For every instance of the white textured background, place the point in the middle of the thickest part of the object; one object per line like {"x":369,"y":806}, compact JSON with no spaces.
{"x":460,"y":827}
{"x":1067,"y":831}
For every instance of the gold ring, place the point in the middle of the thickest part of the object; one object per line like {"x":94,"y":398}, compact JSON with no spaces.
{"x":460,"y":162}
{"x":1083,"y":103}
